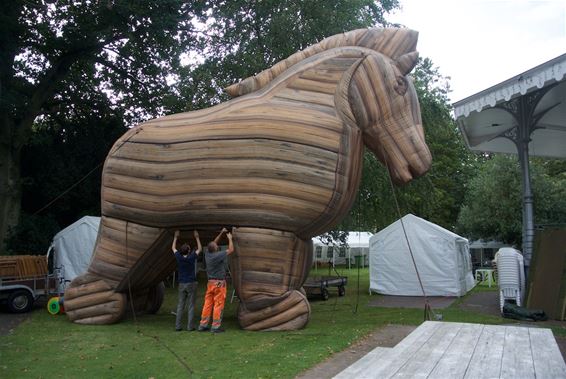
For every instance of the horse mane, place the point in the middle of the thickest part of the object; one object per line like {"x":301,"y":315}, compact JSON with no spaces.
{"x":392,"y":42}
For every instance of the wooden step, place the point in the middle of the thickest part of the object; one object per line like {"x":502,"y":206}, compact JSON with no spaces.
{"x":461,"y":350}
{"x":363,"y":363}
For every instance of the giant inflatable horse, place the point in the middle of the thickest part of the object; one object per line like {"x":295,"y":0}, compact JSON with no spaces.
{"x":281,"y":163}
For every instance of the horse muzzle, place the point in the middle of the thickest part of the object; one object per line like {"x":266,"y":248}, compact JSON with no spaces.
{"x":404,"y":153}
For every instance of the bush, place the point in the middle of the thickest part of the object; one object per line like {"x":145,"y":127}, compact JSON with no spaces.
{"x":32,"y":235}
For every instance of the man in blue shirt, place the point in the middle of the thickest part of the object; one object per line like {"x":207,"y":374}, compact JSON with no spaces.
{"x":186,"y":264}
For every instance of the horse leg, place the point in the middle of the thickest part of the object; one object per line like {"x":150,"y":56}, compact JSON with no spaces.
{"x":99,"y":296}
{"x":268,"y":269}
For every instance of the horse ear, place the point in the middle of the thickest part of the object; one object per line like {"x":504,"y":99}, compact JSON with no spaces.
{"x":407,"y":62}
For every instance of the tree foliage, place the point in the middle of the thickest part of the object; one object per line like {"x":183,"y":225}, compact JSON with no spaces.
{"x":493,"y":203}
{"x":57,"y":57}
{"x":242,"y":38}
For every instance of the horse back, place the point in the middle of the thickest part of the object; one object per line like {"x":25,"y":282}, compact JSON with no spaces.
{"x":283,"y":159}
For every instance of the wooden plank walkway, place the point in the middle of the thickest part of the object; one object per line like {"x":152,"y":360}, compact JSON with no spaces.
{"x":459,"y":350}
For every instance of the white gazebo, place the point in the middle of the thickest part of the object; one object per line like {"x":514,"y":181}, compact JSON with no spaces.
{"x":524,"y":115}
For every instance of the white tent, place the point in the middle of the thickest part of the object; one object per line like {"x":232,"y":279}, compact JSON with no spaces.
{"x":72,"y":248}
{"x":358,"y":245}
{"x":442,"y":258}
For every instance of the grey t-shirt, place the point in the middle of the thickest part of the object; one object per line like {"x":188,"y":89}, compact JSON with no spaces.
{"x":216,"y":264}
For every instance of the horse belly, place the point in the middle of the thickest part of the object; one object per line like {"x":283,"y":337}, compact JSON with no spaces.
{"x":246,"y":182}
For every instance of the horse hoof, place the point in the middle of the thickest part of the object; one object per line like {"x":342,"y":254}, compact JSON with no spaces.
{"x":292,"y":313}
{"x":93,"y":301}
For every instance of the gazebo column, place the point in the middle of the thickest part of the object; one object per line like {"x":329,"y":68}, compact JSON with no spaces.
{"x":528,"y":213}
{"x":523,"y":111}
{"x":521,"y":137}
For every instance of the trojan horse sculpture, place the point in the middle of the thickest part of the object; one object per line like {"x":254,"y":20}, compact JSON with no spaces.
{"x":281,"y":163}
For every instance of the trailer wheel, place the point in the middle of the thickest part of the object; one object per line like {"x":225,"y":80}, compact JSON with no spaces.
{"x":155,"y":298}
{"x":324,"y":294}
{"x":20,"y":301}
{"x":341,"y":291}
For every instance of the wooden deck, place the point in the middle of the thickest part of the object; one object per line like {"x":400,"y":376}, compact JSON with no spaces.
{"x":458,"y":350}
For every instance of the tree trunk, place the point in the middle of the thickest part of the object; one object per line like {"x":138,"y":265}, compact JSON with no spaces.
{"x":10,"y":181}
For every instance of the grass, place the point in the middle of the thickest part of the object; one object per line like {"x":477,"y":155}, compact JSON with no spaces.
{"x":46,"y":346}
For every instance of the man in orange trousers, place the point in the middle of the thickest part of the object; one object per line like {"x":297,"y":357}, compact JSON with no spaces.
{"x":216,"y":286}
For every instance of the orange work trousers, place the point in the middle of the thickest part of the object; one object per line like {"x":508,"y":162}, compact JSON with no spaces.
{"x":213,"y":299}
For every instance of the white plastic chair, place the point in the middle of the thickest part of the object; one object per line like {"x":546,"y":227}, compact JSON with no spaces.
{"x":510,"y":276}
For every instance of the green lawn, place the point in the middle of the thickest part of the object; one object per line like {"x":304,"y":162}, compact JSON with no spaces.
{"x":48,"y":346}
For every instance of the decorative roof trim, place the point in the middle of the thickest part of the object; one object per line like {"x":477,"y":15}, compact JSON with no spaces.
{"x":538,"y":77}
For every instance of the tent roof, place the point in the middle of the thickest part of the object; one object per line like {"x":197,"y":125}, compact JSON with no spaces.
{"x":482,"y":124}
{"x":90,"y":221}
{"x":411,"y":222}
{"x":354,"y":239}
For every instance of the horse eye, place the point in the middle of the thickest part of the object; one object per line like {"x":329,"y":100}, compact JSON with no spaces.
{"x":401,"y":85}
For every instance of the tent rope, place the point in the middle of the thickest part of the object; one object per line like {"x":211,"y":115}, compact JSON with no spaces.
{"x":138,"y":328}
{"x":358,"y":260}
{"x":156,"y":338}
{"x":428,"y":311}
{"x":68,"y":189}
{"x":71,"y":187}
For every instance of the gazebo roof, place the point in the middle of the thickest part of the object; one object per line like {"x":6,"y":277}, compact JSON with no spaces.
{"x":483,"y":121}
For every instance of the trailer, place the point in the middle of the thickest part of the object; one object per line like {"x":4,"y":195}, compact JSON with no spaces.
{"x":319,"y":285}
{"x":24,"y":279}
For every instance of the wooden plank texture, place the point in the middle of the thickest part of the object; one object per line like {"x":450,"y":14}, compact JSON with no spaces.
{"x":402,"y":353}
{"x":548,"y":361}
{"x":363,"y":363}
{"x":453,"y":364}
{"x":517,"y":360}
{"x":458,"y":350}
{"x":427,"y":357}
{"x":281,"y":163}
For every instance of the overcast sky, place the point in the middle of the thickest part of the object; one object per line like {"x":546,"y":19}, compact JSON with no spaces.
{"x":479,"y":43}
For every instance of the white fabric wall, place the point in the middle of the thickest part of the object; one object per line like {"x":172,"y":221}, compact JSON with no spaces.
{"x":441,"y":256}
{"x":73,"y":247}
{"x":358,"y":243}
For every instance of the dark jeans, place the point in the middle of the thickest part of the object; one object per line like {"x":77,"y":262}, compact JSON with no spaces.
{"x":187,"y":296}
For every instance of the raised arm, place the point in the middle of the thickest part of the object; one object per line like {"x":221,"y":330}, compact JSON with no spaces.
{"x":174,"y":244}
{"x":230,"y":244}
{"x":199,"y":246}
{"x":217,"y":239}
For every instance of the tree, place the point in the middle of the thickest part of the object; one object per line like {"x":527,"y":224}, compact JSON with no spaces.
{"x":243,"y":38}
{"x":55,"y":55}
{"x":493,"y":203}
{"x":62,"y":162}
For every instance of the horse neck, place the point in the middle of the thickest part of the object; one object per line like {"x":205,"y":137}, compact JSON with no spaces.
{"x":321,"y":80}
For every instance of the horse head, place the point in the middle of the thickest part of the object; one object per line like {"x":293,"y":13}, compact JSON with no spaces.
{"x":377,"y":94}
{"x":385,"y":106}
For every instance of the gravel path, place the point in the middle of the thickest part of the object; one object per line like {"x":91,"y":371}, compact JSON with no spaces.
{"x":9,"y":321}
